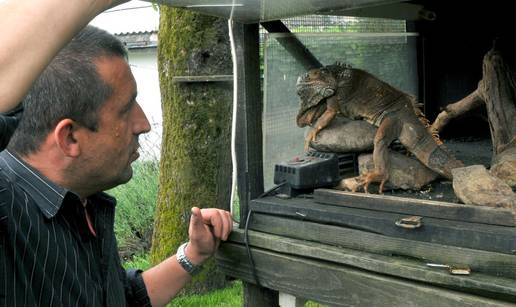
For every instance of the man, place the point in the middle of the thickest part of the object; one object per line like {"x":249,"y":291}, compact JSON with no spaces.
{"x":77,"y":137}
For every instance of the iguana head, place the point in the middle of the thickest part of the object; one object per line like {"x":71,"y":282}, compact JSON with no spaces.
{"x":313,"y":88}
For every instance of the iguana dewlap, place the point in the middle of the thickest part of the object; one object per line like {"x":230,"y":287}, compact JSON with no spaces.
{"x":357,"y":94}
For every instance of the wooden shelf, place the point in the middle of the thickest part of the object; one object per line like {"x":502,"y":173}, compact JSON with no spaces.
{"x":342,"y":276}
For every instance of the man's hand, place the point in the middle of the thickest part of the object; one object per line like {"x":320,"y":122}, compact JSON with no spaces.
{"x":207,"y":228}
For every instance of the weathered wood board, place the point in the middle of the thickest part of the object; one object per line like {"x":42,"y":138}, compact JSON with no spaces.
{"x":409,"y":206}
{"x":408,"y":268}
{"x":495,"y":238}
{"x":337,"y":284}
{"x":490,"y":263}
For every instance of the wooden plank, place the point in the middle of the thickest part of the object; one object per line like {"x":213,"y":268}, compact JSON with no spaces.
{"x":478,"y":283}
{"x":497,"y":264}
{"x":428,"y":208}
{"x":338,"y":285}
{"x":248,"y":136}
{"x":256,"y":296}
{"x":454,"y":233}
{"x":248,"y":139}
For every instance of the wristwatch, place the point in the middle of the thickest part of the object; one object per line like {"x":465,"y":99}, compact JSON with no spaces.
{"x":187,"y":265}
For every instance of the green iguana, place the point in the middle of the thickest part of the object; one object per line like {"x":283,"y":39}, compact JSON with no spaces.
{"x":356,"y":94}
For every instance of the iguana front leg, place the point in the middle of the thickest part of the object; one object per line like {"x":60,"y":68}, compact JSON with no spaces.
{"x":332,"y":108}
{"x":387,"y":132}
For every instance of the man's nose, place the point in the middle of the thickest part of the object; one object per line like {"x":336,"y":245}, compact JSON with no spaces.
{"x":141,"y":124}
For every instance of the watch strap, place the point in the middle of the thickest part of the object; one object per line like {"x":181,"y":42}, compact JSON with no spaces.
{"x":185,"y":263}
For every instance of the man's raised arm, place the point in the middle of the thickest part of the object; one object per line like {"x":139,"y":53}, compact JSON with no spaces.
{"x":32,"y":33}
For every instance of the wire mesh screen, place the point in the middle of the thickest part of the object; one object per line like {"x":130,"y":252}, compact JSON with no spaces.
{"x":326,"y":23}
{"x":389,"y":56}
{"x":332,"y":24}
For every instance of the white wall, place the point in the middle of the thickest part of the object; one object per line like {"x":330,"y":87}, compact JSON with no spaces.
{"x":145,"y":70}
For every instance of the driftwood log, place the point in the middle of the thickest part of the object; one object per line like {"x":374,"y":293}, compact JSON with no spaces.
{"x":497,"y":93}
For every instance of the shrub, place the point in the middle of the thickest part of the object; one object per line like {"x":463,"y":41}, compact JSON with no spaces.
{"x":136,"y":201}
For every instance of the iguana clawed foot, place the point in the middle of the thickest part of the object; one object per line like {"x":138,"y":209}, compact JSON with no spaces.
{"x":312,"y":134}
{"x":366,"y":179}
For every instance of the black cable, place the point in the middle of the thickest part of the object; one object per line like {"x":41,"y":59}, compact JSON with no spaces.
{"x":246,"y":234}
{"x":246,"y":241}
{"x":266,"y":193}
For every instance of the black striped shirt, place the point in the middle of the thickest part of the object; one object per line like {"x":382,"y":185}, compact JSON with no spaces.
{"x":48,"y":255}
{"x":8,"y":123}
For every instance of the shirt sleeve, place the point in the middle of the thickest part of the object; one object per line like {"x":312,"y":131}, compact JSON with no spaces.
{"x":136,"y":292}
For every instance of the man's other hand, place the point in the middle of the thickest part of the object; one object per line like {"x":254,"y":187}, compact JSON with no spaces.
{"x":207,"y":228}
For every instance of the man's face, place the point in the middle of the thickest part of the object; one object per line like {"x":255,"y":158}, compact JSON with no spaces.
{"x":109,"y":151}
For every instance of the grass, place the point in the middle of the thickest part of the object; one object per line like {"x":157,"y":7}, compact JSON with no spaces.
{"x":229,"y":297}
{"x":138,"y":262}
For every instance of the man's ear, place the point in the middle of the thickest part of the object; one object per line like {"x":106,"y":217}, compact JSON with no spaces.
{"x":65,"y":135}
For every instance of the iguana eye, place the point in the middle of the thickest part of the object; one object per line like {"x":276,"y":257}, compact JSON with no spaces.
{"x":313,"y":74}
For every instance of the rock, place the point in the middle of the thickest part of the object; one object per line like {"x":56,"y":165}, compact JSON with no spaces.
{"x":343,"y":135}
{"x":504,"y":166}
{"x":474,"y":185}
{"x":405,"y":173}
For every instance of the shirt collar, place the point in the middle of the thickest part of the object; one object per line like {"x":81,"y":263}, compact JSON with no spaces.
{"x":48,"y":196}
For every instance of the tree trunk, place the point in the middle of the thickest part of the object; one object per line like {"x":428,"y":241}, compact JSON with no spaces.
{"x":195,"y":167}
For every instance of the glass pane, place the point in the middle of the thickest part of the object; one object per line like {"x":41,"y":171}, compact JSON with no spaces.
{"x":389,"y":56}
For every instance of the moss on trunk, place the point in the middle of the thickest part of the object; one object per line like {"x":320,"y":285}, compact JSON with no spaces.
{"x":195,"y":167}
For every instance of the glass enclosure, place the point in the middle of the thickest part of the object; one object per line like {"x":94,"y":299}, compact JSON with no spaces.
{"x":389,"y":56}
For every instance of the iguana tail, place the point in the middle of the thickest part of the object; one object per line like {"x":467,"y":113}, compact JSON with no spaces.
{"x":434,"y":156}
{"x":417,"y":138}
{"x":422,"y":118}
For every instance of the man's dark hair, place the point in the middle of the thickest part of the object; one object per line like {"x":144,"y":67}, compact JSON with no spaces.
{"x":69,"y":87}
